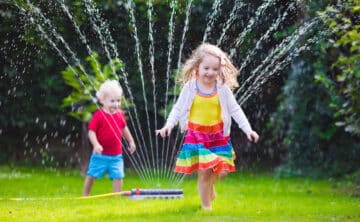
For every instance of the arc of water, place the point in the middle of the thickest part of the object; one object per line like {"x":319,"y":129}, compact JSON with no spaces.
{"x":93,"y":12}
{"x":271,"y":70}
{"x":261,"y":77}
{"x":153,"y":80}
{"x":259,"y":12}
{"x":173,"y":5}
{"x":186,"y":27}
{"x":272,"y":28}
{"x":280,"y":50}
{"x":232,"y":17}
{"x":77,"y":30}
{"x":135,"y":164}
{"x":60,"y":53}
{"x":130,"y":7}
{"x":260,"y":80}
{"x":215,"y":10}
{"x":37,"y":12}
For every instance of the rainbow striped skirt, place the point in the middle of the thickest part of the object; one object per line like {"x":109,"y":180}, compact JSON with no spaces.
{"x":205,"y":147}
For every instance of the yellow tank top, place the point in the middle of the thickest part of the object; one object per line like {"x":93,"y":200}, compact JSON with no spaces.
{"x":205,"y":110}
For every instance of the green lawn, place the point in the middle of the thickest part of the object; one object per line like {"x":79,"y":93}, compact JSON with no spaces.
{"x":242,"y":196}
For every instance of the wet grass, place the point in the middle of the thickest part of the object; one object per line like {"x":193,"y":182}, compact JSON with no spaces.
{"x":242,"y":196}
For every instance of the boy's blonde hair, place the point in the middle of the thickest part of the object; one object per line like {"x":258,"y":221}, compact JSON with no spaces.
{"x":107,"y":88}
{"x":228,"y":72}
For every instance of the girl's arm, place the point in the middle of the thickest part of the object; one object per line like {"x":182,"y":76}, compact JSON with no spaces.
{"x":165,"y":131}
{"x":240,"y":118}
{"x":237,"y":113}
{"x":93,"y":140}
{"x":176,"y":112}
{"x":129,"y":139}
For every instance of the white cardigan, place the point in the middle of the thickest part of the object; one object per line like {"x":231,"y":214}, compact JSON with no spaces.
{"x":229,"y":108}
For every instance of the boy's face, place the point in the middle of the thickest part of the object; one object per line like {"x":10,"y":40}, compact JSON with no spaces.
{"x":111,"y":102}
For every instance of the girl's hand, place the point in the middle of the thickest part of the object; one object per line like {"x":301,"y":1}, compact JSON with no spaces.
{"x":132,"y":148}
{"x":252,"y":136}
{"x":165,"y":131}
{"x":98,"y":149}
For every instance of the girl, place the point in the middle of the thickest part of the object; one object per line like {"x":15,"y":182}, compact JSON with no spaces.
{"x":204,"y":108}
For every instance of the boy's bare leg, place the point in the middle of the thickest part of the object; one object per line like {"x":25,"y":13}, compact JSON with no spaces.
{"x":87,"y":185}
{"x":117,"y":185}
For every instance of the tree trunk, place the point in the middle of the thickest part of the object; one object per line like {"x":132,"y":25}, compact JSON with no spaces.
{"x":85,"y":150}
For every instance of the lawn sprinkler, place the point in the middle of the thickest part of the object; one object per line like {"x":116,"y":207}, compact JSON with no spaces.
{"x":139,"y":194}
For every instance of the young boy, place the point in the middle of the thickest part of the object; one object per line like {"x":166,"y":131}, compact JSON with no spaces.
{"x":106,"y":129}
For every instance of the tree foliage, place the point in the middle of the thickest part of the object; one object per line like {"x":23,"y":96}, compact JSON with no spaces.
{"x":305,"y":123}
{"x":304,"y":126}
{"x":85,"y":84}
{"x":344,"y":85}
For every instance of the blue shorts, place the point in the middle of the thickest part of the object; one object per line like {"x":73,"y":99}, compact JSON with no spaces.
{"x":100,"y":164}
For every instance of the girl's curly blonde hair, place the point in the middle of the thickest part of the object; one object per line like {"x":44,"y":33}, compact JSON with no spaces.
{"x":228,"y":72}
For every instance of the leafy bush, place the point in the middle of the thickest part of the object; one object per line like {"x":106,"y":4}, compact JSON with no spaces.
{"x":85,"y":85}
{"x":344,"y":24}
{"x":321,"y":94}
{"x":305,"y":127}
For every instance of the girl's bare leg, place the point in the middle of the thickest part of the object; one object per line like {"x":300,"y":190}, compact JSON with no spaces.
{"x":87,"y":185}
{"x":213,"y":193}
{"x":117,"y":185}
{"x":204,"y":188}
{"x":215,"y":178}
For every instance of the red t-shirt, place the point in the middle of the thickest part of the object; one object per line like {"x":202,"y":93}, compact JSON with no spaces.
{"x":108,"y":128}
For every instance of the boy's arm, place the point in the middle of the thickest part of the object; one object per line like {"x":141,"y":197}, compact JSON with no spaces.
{"x":129,"y":139}
{"x":93,"y":140}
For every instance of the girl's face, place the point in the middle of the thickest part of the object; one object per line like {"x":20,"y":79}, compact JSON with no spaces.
{"x":111,"y":102}
{"x":209,"y":69}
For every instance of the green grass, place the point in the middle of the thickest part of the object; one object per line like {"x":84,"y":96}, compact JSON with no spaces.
{"x":242,"y":196}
